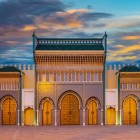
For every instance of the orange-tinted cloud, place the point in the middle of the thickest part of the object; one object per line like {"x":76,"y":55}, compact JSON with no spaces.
{"x":128,"y":51}
{"x":130,"y":37}
{"x":72,"y":18}
{"x":71,"y":11}
{"x":28,"y":28}
{"x":60,"y":20}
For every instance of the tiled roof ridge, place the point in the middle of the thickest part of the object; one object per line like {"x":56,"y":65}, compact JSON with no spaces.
{"x":130,"y":68}
{"x":70,"y":47}
{"x":9,"y":69}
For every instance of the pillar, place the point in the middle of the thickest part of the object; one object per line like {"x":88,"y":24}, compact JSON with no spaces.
{"x":84,"y":114}
{"x":55,"y":117}
{"x":37,"y":117}
{"x":0,"y":115}
{"x":19,"y":118}
{"x":120,"y":117}
{"x":138,"y":116}
{"x":23,"y":118}
{"x":102,"y":117}
{"x":116,"y":117}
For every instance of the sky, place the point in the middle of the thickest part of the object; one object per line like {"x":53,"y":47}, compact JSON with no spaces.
{"x":70,"y":18}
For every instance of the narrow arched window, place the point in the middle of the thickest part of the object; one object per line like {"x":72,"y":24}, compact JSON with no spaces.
{"x":73,"y":77}
{"x":58,"y":78}
{"x":96,"y":77}
{"x":88,"y":77}
{"x":66,"y":77}
{"x":81,"y":76}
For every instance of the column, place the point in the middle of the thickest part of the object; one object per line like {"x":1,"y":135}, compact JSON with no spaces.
{"x":101,"y":76}
{"x":116,"y":117}
{"x":18,"y":118}
{"x":102,"y":117}
{"x":84,"y":113}
{"x":37,"y":117}
{"x":138,"y":115}
{"x":120,"y":117}
{"x":55,"y":117}
{"x":23,"y":117}
{"x":84,"y":97}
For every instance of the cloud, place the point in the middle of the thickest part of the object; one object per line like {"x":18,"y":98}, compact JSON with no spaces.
{"x":130,"y":37}
{"x":23,"y":12}
{"x":123,"y":22}
{"x":58,"y":22}
{"x":16,"y":54}
{"x":124,"y":53}
{"x":75,"y":11}
{"x":73,"y":18}
{"x":52,"y":18}
{"x":28,"y":28}
{"x":94,"y":16}
{"x":82,"y":34}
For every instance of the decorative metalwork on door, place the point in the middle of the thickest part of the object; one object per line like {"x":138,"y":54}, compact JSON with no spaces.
{"x":92,"y":113}
{"x":9,"y":111}
{"x":130,"y":111}
{"x":28,"y":116}
{"x":47,"y":113}
{"x":70,"y":113}
{"x":110,"y":116}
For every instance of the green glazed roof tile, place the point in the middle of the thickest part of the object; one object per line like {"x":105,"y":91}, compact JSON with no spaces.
{"x":9,"y":69}
{"x":70,"y":47}
{"x":130,"y":69}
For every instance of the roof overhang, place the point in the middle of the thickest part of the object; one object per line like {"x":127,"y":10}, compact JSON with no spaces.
{"x":12,"y":72}
{"x":129,"y":72}
{"x":69,"y":52}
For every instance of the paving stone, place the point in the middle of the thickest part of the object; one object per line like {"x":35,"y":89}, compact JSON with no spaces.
{"x":69,"y":133}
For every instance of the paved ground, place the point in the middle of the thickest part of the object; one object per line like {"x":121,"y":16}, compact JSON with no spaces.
{"x":70,"y":133}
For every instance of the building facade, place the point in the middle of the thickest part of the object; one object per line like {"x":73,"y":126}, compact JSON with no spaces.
{"x":69,"y":84}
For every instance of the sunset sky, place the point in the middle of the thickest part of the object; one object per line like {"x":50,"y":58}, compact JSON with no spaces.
{"x":69,"y":18}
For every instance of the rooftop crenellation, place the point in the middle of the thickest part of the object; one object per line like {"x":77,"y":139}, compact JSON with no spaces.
{"x":119,"y":66}
{"x":32,"y":66}
{"x":20,"y":66}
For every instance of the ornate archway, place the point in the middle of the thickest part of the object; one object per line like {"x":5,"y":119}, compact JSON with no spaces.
{"x":47,"y":113}
{"x":92,"y":112}
{"x":9,"y":111}
{"x":69,"y":112}
{"x":110,"y":116}
{"x":29,"y":116}
{"x":129,"y":111}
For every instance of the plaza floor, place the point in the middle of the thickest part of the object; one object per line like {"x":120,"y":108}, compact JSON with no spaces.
{"x":70,"y":133}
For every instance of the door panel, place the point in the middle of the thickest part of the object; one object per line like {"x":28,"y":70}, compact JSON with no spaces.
{"x":28,"y":116}
{"x":9,"y":111}
{"x":92,"y":113}
{"x":5,"y":112}
{"x":70,"y":114}
{"x":110,"y":116}
{"x":12,"y":112}
{"x":47,"y":113}
{"x":130,"y":111}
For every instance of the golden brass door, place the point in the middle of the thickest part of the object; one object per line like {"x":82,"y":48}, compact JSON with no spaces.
{"x":28,"y":116}
{"x":47,"y":113}
{"x":70,"y":113}
{"x":9,"y":111}
{"x":92,"y":112}
{"x":130,"y":111}
{"x":110,"y":116}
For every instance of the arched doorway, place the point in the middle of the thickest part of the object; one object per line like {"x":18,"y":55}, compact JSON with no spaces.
{"x":129,"y":111}
{"x":47,"y":113}
{"x":110,"y":116}
{"x":29,"y":116}
{"x":70,"y":113}
{"x":92,"y":112}
{"x":9,"y":111}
